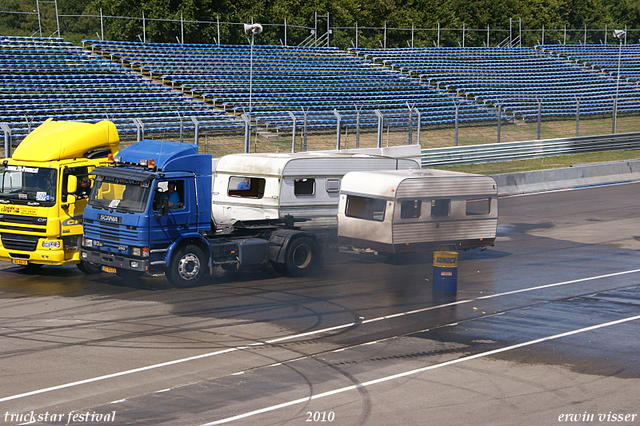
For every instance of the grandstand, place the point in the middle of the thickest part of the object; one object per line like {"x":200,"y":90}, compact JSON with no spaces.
{"x":519,"y":78}
{"x":286,"y":79}
{"x":48,"y":77}
{"x":160,"y":83}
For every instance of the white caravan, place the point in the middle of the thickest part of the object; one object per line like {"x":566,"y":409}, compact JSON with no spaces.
{"x":255,"y":187}
{"x":415,"y":210}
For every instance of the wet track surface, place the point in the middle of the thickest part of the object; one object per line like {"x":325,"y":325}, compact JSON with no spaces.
{"x":542,"y":330}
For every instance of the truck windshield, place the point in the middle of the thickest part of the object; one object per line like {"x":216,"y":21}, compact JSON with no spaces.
{"x":28,"y":184}
{"x":120,"y":194}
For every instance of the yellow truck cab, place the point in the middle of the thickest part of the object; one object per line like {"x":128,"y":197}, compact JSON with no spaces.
{"x":41,"y":204}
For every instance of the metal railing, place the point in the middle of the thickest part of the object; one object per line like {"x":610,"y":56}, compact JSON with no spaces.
{"x":472,"y":154}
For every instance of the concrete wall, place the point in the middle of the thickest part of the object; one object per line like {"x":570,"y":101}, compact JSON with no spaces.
{"x":569,"y":177}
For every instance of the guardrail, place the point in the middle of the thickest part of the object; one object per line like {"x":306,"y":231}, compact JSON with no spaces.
{"x":508,"y":151}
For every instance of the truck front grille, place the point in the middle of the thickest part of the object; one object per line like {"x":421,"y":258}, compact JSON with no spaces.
{"x":20,"y":242}
{"x":23,"y":220}
{"x":110,"y":233}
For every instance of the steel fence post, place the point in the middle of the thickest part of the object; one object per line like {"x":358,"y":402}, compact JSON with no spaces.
{"x":7,"y":139}
{"x":380,"y":126}
{"x":338,"y":127}
{"x":247,"y":133}
{"x":293,"y":131}
{"x":196,"y":135}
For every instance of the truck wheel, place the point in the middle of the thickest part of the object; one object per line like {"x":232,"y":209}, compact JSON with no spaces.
{"x":303,"y":256}
{"x":88,"y":267}
{"x":187,"y":267}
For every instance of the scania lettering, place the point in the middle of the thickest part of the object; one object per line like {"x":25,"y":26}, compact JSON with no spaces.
{"x":40,"y":218}
{"x":151,"y":213}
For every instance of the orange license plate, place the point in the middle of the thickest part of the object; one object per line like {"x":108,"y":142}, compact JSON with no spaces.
{"x":109,"y":269}
{"x":19,"y":262}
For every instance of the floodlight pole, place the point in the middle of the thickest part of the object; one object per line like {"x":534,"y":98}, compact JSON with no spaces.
{"x":253,"y":29}
{"x":620,"y":35}
{"x":250,"y":83}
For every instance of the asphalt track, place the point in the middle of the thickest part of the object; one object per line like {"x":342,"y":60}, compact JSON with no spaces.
{"x":543,"y":330}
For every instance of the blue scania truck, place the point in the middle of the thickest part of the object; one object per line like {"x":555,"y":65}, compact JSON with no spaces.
{"x":150,"y":213}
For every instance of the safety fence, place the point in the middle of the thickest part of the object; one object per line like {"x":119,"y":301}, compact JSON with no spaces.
{"x":43,"y":19}
{"x":509,"y":151}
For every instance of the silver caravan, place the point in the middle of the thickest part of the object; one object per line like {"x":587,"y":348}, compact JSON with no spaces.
{"x":415,"y":210}
{"x":251,"y":187}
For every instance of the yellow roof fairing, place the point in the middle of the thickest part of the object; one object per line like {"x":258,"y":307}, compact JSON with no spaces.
{"x":59,"y":140}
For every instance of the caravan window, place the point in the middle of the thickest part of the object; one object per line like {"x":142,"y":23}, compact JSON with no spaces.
{"x":478,"y":206}
{"x":410,"y":209}
{"x":304,"y":186}
{"x":365,"y":208}
{"x":440,"y":208}
{"x":245,"y":186}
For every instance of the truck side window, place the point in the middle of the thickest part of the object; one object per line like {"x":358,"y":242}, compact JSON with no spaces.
{"x":78,"y":172}
{"x":245,"y":186}
{"x":440,"y":208}
{"x":410,"y":209}
{"x":172,"y":190}
{"x":479,"y":206}
{"x":304,"y":186}
{"x":365,"y":208}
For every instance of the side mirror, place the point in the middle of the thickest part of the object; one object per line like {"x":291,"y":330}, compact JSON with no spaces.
{"x":72,"y":184}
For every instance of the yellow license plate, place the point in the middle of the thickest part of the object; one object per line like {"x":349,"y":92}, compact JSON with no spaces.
{"x":19,"y":262}
{"x":109,"y":269}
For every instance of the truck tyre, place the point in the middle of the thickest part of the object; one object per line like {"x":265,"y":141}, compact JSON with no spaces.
{"x":303,"y":256}
{"x":187,"y":267}
{"x":88,"y":267}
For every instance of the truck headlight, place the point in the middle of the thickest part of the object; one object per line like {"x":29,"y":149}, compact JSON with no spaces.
{"x":134,"y":264}
{"x":137,"y":251}
{"x":51,"y":244}
{"x":87,"y":242}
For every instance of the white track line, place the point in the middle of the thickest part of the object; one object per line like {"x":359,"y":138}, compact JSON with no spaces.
{"x":294,"y":336}
{"x":419,"y":370}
